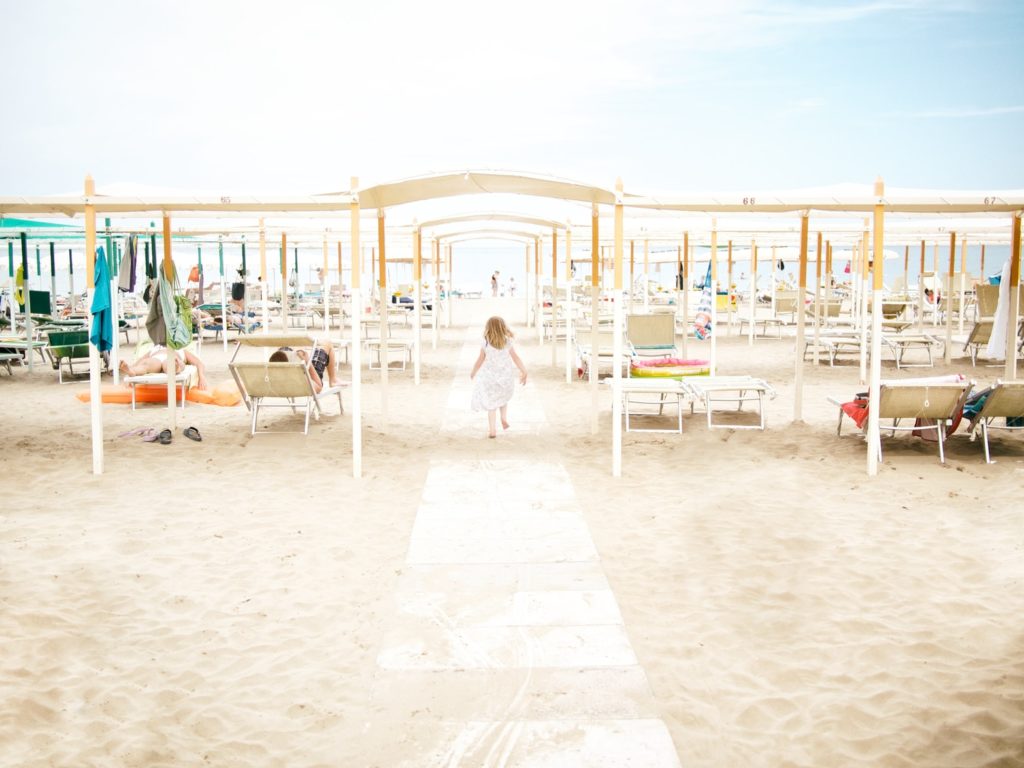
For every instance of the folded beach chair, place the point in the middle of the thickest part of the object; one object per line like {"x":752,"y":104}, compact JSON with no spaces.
{"x":263,"y":383}
{"x":934,"y":404}
{"x":1004,"y":400}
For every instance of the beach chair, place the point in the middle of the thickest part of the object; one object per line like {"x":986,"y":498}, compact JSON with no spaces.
{"x":264,"y":383}
{"x":710,"y":390}
{"x":1005,"y":400}
{"x":601,"y":353}
{"x":978,"y":338}
{"x":933,"y":404}
{"x":651,"y":335}
{"x":65,"y":348}
{"x":6,"y":358}
{"x":182,"y":382}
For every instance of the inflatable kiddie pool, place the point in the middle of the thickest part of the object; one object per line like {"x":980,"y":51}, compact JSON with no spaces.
{"x":668,"y":367}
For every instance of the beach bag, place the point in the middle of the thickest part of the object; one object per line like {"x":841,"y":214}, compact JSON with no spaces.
{"x":193,"y":275}
{"x":237,"y":291}
{"x":177,"y":312}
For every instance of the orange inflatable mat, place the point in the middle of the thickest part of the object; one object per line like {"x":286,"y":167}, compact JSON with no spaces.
{"x":226,"y":394}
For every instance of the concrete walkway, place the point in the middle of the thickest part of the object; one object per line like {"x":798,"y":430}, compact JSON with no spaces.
{"x":508,"y":648}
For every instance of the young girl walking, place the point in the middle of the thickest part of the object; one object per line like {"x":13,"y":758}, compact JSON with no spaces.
{"x":496,"y":365}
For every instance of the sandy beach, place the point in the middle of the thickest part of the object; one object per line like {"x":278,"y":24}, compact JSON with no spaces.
{"x":244,"y":602}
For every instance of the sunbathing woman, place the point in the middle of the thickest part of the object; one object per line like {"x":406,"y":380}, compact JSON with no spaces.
{"x":155,"y":361}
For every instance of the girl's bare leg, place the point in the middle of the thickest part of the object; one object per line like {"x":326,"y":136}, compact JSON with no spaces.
{"x":490,"y":423}
{"x":504,"y":417}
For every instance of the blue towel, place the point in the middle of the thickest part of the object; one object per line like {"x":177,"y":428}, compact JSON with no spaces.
{"x":102,"y":335}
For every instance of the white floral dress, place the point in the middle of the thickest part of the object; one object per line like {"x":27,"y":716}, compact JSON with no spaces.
{"x":496,"y":379}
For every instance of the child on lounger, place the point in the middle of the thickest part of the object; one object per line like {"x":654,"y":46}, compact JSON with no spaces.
{"x":496,"y":365}
{"x":323,"y":359}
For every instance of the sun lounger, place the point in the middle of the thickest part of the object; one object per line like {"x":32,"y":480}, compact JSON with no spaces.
{"x":68,"y":348}
{"x":375,"y":347}
{"x":901,"y":343}
{"x":934,"y":405}
{"x":652,"y":335}
{"x":182,"y":381}
{"x":602,"y":354}
{"x":639,"y":392}
{"x":6,"y":358}
{"x":710,"y":390}
{"x":260,"y":382}
{"x":1005,"y":400}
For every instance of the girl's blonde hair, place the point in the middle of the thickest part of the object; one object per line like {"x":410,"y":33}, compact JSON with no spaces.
{"x":497,"y":333}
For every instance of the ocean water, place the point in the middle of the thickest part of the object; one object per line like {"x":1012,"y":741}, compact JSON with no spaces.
{"x":473,"y":264}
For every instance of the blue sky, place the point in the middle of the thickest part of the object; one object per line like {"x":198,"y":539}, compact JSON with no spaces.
{"x":299,"y":96}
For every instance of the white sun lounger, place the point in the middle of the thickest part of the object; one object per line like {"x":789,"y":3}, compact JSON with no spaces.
{"x":710,"y":390}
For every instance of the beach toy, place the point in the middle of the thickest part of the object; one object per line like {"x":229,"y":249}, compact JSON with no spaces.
{"x":668,"y":367}
{"x":225,"y":395}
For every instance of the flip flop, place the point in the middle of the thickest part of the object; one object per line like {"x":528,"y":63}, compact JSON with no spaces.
{"x":193,"y":434}
{"x":138,"y":431}
{"x":149,"y":436}
{"x":165,"y":437}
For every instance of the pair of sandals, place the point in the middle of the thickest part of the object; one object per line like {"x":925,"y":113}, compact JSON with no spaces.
{"x":164,"y":437}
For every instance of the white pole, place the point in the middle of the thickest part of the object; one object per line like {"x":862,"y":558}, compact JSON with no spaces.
{"x":538,"y":315}
{"x":357,"y":354}
{"x":526,"y":286}
{"x":687,"y":264}
{"x":1013,"y":313}
{"x":752,"y":291}
{"x":647,"y":278}
{"x":417,"y":298}
{"x":167,"y":266}
{"x":801,"y":310}
{"x":95,"y":401}
{"x":568,"y":305}
{"x":325,"y":289}
{"x":448,"y":293}
{"x":617,"y":340}
{"x":436,"y":308}
{"x":554,"y":297}
{"x":713,"y":368}
{"x":223,"y":295}
{"x":595,"y":299}
{"x":874,"y":433}
{"x":876,"y":310}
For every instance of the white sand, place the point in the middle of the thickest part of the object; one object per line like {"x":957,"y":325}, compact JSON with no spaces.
{"x":230,"y":602}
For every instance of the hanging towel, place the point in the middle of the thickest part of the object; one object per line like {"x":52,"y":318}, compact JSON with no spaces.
{"x":126,"y":274}
{"x":702,"y":322}
{"x":102,"y":335}
{"x":996,"y":348}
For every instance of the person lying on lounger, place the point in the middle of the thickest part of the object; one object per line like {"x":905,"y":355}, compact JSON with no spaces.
{"x":323,"y":359}
{"x":155,"y":361}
